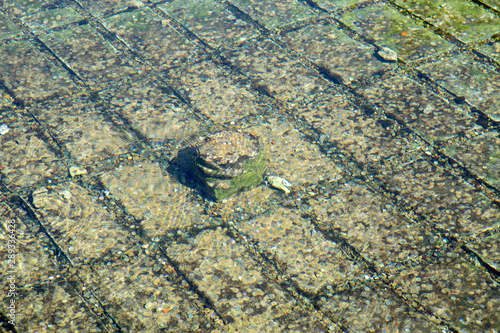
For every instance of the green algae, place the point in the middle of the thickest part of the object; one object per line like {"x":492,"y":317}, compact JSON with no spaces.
{"x":251,"y":177}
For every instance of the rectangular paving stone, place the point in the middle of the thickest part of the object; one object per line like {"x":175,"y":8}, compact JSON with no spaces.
{"x":445,"y":201}
{"x":27,"y":159}
{"x":160,"y":117}
{"x":159,"y":201}
{"x":481,"y":155}
{"x":490,"y":49}
{"x":136,"y":291}
{"x":372,"y":307}
{"x":332,"y":5}
{"x":387,"y":27}
{"x":54,"y":305}
{"x":310,"y":259}
{"x":290,"y":156}
{"x":215,"y":92}
{"x":276,"y":72}
{"x":24,"y":7}
{"x":86,"y":134}
{"x":152,"y":37}
{"x":83,"y":229}
{"x":30,"y":76}
{"x":369,"y":141}
{"x":465,"y":20}
{"x":488,"y":249}
{"x":32,"y":265}
{"x":453,"y":289}
{"x":331,"y":48}
{"x":210,"y":20}
{"x":92,"y":57}
{"x":7,"y":28}
{"x":238,"y":286}
{"x":50,"y":19}
{"x":371,"y":224}
{"x":107,"y":8}
{"x":478,"y":83}
{"x":275,"y":14}
{"x":424,"y":112}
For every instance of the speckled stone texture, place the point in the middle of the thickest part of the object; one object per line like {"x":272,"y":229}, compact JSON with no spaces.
{"x":393,"y":219}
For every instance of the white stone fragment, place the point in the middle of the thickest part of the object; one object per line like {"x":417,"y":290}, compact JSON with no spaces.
{"x":76,"y":171}
{"x":387,"y":54}
{"x":4,"y":129}
{"x":279,"y":183}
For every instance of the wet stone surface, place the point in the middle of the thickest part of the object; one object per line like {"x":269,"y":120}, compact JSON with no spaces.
{"x":266,"y":61}
{"x":481,"y":155}
{"x":209,"y":20}
{"x":274,"y":15}
{"x":27,"y":73}
{"x":426,"y":113}
{"x":391,"y":29}
{"x":331,"y":48}
{"x":469,"y":79}
{"x":467,"y":21}
{"x":249,"y":166}
{"x":208,"y":87}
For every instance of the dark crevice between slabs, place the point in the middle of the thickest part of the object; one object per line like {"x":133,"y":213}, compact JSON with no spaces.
{"x":484,"y":120}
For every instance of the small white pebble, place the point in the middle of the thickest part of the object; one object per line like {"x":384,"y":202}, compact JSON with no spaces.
{"x":279,"y":183}
{"x":76,"y":171}
{"x":4,"y":129}
{"x":387,"y":54}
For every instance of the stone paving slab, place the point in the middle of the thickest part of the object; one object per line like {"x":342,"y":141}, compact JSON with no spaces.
{"x":464,"y":20}
{"x":392,"y":222}
{"x":389,"y":28}
{"x":214,"y":92}
{"x":371,"y":307}
{"x":481,"y":82}
{"x":274,"y":15}
{"x":486,"y":152}
{"x":8,"y":29}
{"x":27,"y":159}
{"x":211,"y":21}
{"x":30,"y":75}
{"x":163,"y":119}
{"x":426,"y":113}
{"x":67,"y":119}
{"x":333,"y":49}
{"x":152,"y":37}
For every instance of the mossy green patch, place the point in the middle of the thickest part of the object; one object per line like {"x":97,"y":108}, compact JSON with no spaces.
{"x":252,"y":176}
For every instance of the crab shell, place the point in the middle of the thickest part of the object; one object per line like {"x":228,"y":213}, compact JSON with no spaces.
{"x":223,"y":154}
{"x":228,"y":162}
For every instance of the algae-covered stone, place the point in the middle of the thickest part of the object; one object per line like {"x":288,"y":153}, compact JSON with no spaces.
{"x":224,"y":163}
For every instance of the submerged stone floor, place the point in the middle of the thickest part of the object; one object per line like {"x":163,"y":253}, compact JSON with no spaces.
{"x":384,"y":116}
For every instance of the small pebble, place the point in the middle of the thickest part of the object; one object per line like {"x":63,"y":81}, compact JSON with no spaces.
{"x":76,"y":171}
{"x":279,"y":183}
{"x":387,"y":54}
{"x":4,"y":129}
